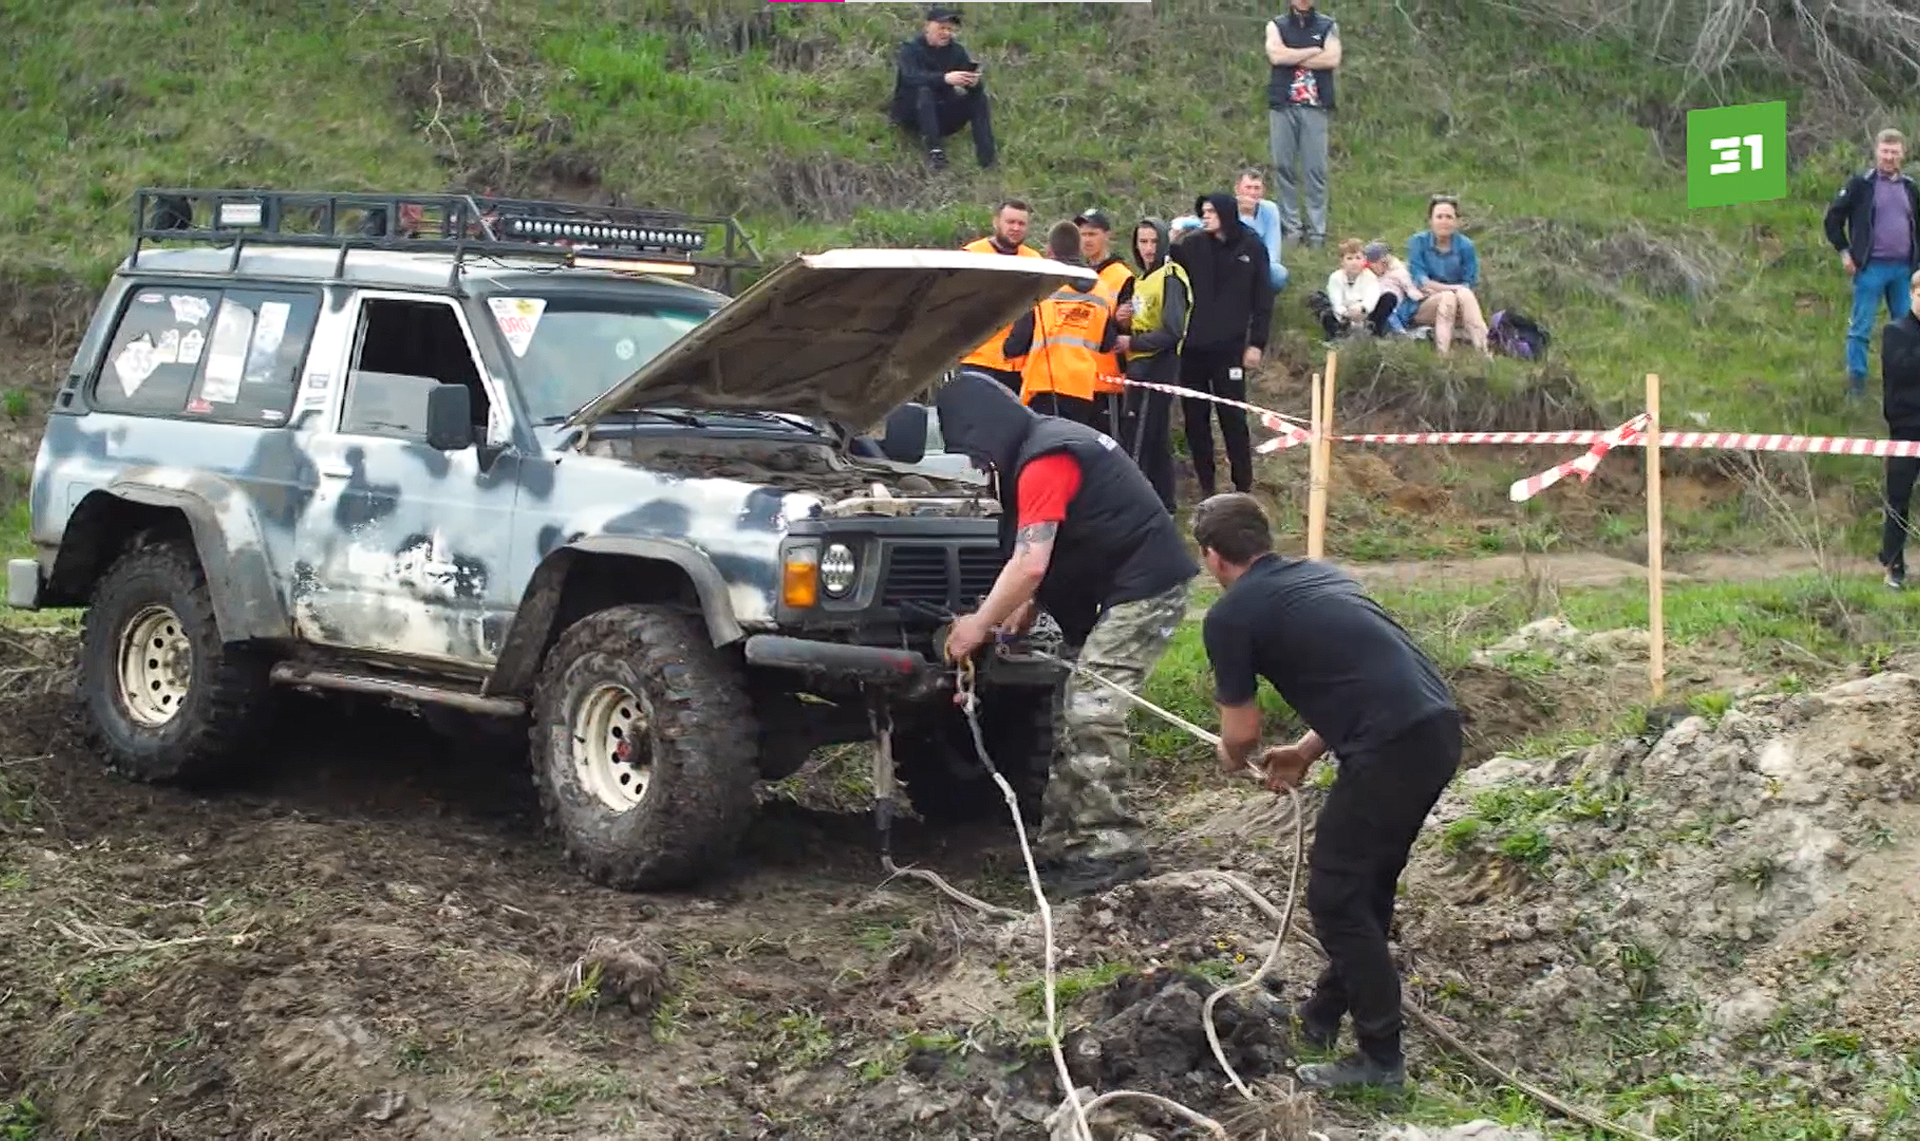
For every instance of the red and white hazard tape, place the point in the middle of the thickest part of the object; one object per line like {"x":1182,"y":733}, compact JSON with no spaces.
{"x":1583,"y":465}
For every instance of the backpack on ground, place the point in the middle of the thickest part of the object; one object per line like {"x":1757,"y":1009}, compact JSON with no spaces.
{"x":1514,"y":334}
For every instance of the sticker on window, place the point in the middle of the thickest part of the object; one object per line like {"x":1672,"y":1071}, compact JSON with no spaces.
{"x":227,"y":354}
{"x":152,"y":298}
{"x":190,"y":346}
{"x":268,"y":332}
{"x":624,"y":349}
{"x":135,"y":363}
{"x":189,"y":310}
{"x":517,"y":317}
{"x":168,"y":350}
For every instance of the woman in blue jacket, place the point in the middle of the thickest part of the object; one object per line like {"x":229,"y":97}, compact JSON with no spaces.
{"x":1447,"y":270}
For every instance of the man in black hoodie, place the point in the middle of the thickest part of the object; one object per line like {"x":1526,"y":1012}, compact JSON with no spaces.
{"x":938,"y":89}
{"x":1226,"y":266}
{"x":1900,"y":400}
{"x":1085,"y":537}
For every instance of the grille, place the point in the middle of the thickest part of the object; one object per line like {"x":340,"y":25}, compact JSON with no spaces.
{"x":921,"y":573}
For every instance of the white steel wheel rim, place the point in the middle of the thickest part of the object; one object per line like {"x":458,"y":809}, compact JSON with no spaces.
{"x":612,"y":756}
{"x":156,"y":666}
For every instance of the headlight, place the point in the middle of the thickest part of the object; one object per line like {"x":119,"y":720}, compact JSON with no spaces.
{"x":837,"y":570}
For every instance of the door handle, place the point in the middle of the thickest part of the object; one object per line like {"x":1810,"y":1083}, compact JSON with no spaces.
{"x":334,"y":472}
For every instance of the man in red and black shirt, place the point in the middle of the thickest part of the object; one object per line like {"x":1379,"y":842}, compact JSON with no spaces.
{"x":1087,"y":538}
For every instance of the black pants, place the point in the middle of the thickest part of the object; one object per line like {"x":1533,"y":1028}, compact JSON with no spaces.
{"x":1109,"y":409}
{"x":1146,"y":431}
{"x":1075,"y":408}
{"x":1360,"y":846}
{"x":939,"y":112}
{"x":1901,"y":472}
{"x":1376,"y":319}
{"x":1212,"y":370}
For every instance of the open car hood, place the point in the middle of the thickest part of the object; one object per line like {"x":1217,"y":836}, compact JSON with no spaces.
{"x":848,"y":334}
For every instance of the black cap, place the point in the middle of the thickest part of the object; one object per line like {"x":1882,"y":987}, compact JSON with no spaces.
{"x":939,"y":14}
{"x":1095,"y":217}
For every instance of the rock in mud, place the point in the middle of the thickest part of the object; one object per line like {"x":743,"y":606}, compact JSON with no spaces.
{"x":1151,"y":1034}
{"x":632,"y":973}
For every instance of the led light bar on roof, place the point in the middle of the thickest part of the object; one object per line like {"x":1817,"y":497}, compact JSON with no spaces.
{"x":562,"y":229}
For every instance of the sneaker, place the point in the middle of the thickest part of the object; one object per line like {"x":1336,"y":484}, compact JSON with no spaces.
{"x":1073,"y":877}
{"x":1353,"y":1071}
{"x":1896,"y":578}
{"x":937,"y":159}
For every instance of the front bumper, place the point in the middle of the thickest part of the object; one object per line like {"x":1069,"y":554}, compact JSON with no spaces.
{"x":906,"y":674}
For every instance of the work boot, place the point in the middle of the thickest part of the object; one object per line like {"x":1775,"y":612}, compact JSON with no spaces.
{"x":1074,"y":876}
{"x":1315,"y":1035}
{"x":1353,"y":1071}
{"x":937,"y":159}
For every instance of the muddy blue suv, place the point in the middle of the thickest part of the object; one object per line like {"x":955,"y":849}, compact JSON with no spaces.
{"x":505,"y":460}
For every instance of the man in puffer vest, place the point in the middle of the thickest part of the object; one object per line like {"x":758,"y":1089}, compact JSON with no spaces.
{"x":1157,"y":328}
{"x":1087,"y":538}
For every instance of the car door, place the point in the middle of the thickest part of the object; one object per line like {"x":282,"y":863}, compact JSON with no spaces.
{"x":403,"y":553}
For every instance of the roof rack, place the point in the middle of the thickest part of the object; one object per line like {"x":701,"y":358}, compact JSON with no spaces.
{"x":464,"y":225}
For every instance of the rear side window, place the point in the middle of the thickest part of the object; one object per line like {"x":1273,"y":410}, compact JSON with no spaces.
{"x":226,"y":355}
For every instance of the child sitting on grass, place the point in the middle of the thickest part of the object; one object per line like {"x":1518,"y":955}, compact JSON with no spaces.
{"x":1354,"y":297}
{"x":1395,"y":281}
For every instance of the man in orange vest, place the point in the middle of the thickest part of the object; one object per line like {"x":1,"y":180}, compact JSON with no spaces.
{"x":1009,"y":232}
{"x":1063,"y":340}
{"x":1116,"y":285}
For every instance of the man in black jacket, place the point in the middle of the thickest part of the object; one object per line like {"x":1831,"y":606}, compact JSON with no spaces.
{"x":1900,"y":400}
{"x":1086,"y":537}
{"x":1875,"y":224}
{"x":1232,"y":312}
{"x":938,"y":90}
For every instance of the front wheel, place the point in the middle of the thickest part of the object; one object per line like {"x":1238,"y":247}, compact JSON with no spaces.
{"x":940,"y":763}
{"x":165,"y":698}
{"x":643,"y":748}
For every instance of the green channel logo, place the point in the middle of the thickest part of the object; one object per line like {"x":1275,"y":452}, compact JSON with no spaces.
{"x":1737,"y":154}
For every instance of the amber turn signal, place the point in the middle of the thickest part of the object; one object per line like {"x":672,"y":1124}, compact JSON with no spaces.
{"x":800,"y":580}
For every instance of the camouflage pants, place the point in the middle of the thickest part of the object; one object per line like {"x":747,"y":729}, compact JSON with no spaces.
{"x":1086,"y":814}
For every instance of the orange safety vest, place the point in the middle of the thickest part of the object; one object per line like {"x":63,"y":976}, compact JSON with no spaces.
{"x":1112,"y":279}
{"x":988,"y":355}
{"x":1065,"y":358}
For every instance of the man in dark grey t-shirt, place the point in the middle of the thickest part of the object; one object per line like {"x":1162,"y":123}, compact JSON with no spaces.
{"x":1368,"y":694}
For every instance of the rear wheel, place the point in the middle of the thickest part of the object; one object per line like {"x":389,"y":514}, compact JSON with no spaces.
{"x":643,"y":748}
{"x":165,"y":698}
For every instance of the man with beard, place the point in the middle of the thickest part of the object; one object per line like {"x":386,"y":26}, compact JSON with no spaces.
{"x":1087,"y":538}
{"x":1227,"y":269}
{"x":1009,"y":235}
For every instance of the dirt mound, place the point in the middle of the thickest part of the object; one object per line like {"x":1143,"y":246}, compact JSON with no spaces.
{"x":1733,"y":881}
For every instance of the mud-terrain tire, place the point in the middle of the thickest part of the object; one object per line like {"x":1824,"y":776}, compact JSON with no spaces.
{"x":634,"y":676}
{"x":185,"y":708}
{"x":941,"y":767}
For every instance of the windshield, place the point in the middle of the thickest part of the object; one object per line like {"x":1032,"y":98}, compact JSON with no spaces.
{"x":568,"y":350}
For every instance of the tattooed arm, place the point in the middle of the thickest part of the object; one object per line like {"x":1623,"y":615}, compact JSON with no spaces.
{"x":1020,"y":579}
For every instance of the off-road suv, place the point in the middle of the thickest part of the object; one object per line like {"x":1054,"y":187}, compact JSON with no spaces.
{"x":512,"y":463}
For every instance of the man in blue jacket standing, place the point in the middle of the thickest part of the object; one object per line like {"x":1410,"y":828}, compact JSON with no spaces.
{"x":1872,"y":222}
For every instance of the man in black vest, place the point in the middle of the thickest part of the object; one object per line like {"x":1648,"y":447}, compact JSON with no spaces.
{"x":1087,"y":538}
{"x":1304,"y":48}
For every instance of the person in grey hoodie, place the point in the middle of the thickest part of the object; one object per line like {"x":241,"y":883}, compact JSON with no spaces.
{"x":1161,"y":302}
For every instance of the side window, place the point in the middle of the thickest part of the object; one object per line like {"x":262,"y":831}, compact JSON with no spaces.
{"x":230,"y":356}
{"x":400,"y":345}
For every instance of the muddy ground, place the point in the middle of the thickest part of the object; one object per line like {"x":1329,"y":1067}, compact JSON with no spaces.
{"x":369,"y":937}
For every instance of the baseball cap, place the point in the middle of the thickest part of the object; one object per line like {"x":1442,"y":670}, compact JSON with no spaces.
{"x":1374,"y":251}
{"x":1094,"y":217}
{"x":943,"y":15}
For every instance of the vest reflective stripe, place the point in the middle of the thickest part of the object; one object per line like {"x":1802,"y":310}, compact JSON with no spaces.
{"x":988,"y":354}
{"x":1067,"y":329}
{"x":1150,"y":297}
{"x":1112,"y":279}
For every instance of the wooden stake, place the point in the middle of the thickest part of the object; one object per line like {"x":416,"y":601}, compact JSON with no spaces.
{"x":1313,"y":461}
{"x":1656,"y":549}
{"x":1321,"y":461}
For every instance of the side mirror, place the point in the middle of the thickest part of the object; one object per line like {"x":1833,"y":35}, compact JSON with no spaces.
{"x":905,"y":440}
{"x":450,"y":418}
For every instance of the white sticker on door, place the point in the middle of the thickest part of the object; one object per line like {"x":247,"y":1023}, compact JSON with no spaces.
{"x":268,"y":332}
{"x":189,"y":310}
{"x":134,"y":363}
{"x":517,"y":317}
{"x":227,"y":354}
